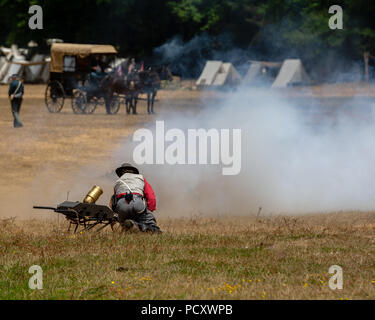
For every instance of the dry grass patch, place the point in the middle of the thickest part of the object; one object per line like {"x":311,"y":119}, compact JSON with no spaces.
{"x":205,"y":258}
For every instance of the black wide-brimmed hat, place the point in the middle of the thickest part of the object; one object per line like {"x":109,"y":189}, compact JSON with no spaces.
{"x":126,"y":166}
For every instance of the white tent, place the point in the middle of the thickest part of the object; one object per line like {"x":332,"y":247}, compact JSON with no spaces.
{"x":44,"y":74}
{"x":15,"y":62}
{"x":261,"y":73}
{"x":254,"y":72}
{"x":227,"y":75}
{"x":209,"y":73}
{"x":292,"y":72}
{"x":2,"y":61}
{"x":9,"y":68}
{"x":217,"y":73}
{"x":32,"y":72}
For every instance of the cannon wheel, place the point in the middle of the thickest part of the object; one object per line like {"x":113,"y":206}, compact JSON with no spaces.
{"x":54,"y":96}
{"x":114,"y":104}
{"x":79,"y":102}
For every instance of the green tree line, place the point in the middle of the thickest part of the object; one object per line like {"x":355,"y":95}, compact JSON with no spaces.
{"x":273,"y":28}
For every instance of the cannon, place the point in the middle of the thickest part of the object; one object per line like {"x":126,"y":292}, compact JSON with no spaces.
{"x":86,"y":214}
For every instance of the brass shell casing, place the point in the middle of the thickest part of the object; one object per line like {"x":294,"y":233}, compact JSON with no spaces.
{"x":93,"y":195}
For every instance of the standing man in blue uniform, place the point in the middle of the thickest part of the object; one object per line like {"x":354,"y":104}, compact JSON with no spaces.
{"x":16,"y":91}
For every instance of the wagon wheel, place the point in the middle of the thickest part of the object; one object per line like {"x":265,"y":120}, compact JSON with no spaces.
{"x":91,"y":104}
{"x":79,"y":102}
{"x":113,"y":105}
{"x":54,"y":96}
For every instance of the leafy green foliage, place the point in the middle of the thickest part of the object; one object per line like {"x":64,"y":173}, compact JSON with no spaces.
{"x":137,"y":26}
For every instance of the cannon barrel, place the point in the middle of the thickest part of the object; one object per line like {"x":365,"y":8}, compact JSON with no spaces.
{"x":44,"y":208}
{"x":93,"y":195}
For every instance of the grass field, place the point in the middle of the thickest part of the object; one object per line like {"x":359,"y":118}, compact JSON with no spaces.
{"x":200,"y":256}
{"x":196,"y":258}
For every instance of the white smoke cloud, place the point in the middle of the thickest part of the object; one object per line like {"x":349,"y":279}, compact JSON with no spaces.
{"x":294,"y":159}
{"x":298,"y":156}
{"x":187,"y":58}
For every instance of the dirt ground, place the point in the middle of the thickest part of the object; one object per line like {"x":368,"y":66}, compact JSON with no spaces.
{"x":218,"y":258}
{"x":64,"y":141}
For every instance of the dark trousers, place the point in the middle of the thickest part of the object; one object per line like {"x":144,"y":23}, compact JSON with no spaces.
{"x":137,"y":211}
{"x":16,"y":108}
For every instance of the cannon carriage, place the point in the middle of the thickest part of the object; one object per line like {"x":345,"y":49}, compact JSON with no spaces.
{"x":86,"y":215}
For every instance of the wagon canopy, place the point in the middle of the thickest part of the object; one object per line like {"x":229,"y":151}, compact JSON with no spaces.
{"x":59,"y":50}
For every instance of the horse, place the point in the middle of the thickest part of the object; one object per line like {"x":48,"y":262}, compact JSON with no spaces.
{"x":116,"y":84}
{"x":135,"y":83}
{"x":152,"y":84}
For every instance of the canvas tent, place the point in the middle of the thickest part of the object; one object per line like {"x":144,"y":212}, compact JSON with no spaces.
{"x":218,"y":73}
{"x":209,"y":73}
{"x":12,"y":63}
{"x":15,"y":63}
{"x":227,"y":75}
{"x":261,"y":73}
{"x":292,"y":72}
{"x":33,"y":72}
{"x":44,"y":73}
{"x":2,"y":61}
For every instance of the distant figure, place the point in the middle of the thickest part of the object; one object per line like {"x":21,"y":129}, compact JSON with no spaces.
{"x":95,"y":63}
{"x":119,"y":71}
{"x":96,"y":75}
{"x":16,"y":90}
{"x":131,"y":66}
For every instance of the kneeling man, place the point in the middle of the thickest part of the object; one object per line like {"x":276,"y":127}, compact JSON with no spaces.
{"x":134,"y":200}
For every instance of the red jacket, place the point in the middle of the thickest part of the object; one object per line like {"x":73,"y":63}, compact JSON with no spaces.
{"x":150,"y":196}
